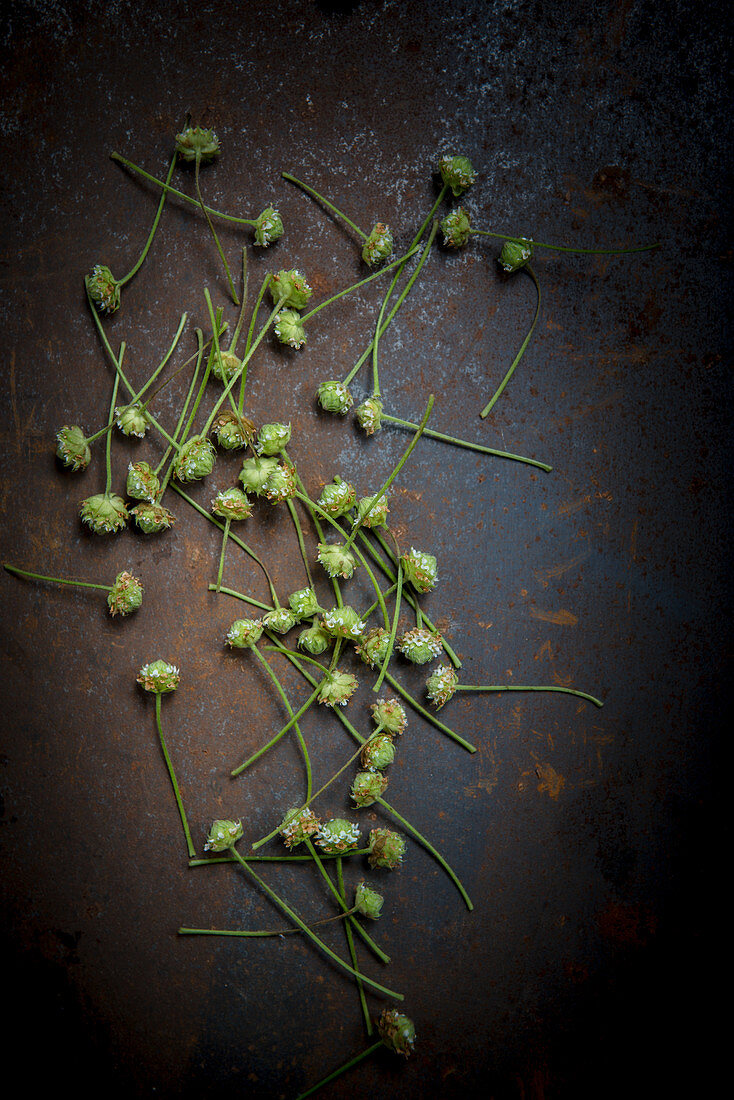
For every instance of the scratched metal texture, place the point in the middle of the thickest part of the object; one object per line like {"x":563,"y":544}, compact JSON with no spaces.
{"x":586,"y":838}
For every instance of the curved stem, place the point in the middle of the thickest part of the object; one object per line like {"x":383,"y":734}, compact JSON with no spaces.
{"x":289,"y":708}
{"x":429,"y":847}
{"x":356,"y":286}
{"x":179,"y":194}
{"x":225,"y":536}
{"x":174,"y":782}
{"x":491,"y":403}
{"x":464,"y":443}
{"x":57,"y":580}
{"x":151,"y":235}
{"x":301,"y":543}
{"x":317,"y":526}
{"x":565,"y":248}
{"x":232,"y":291}
{"x":108,"y":441}
{"x":330,"y":205}
{"x":342,"y":1069}
{"x":525,"y":687}
{"x":427,"y":714}
{"x":265,"y":932}
{"x":273,"y":740}
{"x":350,"y":944}
{"x":393,"y":631}
{"x":240,"y":596}
{"x":312,"y":935}
{"x":343,"y":905}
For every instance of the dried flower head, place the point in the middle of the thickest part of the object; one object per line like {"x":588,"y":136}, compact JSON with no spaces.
{"x":367,"y":787}
{"x":337,"y":688}
{"x":456,"y":228}
{"x":420,"y":645}
{"x":195,"y":460}
{"x":378,"y":752}
{"x":298,"y":825}
{"x":457,"y":172}
{"x":337,"y":498}
{"x":105,"y":513}
{"x":441,"y":685}
{"x":232,"y":504}
{"x":373,"y":647}
{"x":378,"y":245}
{"x":126,"y":594}
{"x":196,"y":141}
{"x":292,"y":287}
{"x":159,"y":677}
{"x":281,"y":483}
{"x":268,"y":227}
{"x":515,"y":254}
{"x":142,"y":482}
{"x":104,"y":289}
{"x":397,"y":1031}
{"x":386,"y":849}
{"x":232,"y":431}
{"x":369,"y":415}
{"x":72,"y":448}
{"x":390,"y":714}
{"x":152,"y":518}
{"x":132,"y":419}
{"x":420,"y":569}
{"x":372,"y":515}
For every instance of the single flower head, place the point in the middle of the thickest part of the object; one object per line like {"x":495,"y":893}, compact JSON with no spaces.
{"x":152,"y":518}
{"x":298,"y":825}
{"x":244,"y":633}
{"x":280,"y":620}
{"x":289,"y":329}
{"x":268,"y":227}
{"x":272,"y":438}
{"x":397,"y":1031}
{"x":132,"y":419}
{"x":225,"y":366}
{"x":337,"y":498}
{"x":343,"y":622}
{"x":456,"y":228}
{"x":378,"y":752}
{"x":420,"y":645}
{"x":126,"y":594}
{"x":367,"y":788}
{"x":304,"y":603}
{"x":232,"y":504}
{"x":372,"y":515}
{"x":337,"y":688}
{"x":314,"y":640}
{"x":334,"y":397}
{"x":386,"y":849}
{"x":378,"y":245}
{"x":159,"y":677}
{"x":457,"y":172}
{"x":441,"y":685}
{"x":105,"y":513}
{"x":104,"y":289}
{"x":337,"y":835}
{"x":281,"y":483}
{"x":367,"y":901}
{"x":195,"y":141}
{"x":420,"y":569}
{"x":336,"y":560}
{"x":232,"y":431}
{"x":195,"y":460}
{"x":515,"y":254}
{"x":142,"y":482}
{"x":72,"y":448}
{"x":291,"y":286}
{"x":373,"y":647}
{"x":390,"y":714}
{"x":368,"y":415}
{"x":223,"y":835}
{"x":255,"y":473}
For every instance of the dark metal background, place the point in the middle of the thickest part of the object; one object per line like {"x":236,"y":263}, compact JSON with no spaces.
{"x":586,"y":838}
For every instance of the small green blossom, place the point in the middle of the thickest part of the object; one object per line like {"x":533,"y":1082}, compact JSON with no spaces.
{"x":195,"y":141}
{"x":378,"y":752}
{"x":457,"y":172}
{"x":337,"y":835}
{"x":268,"y":227}
{"x":334,"y":397}
{"x":368,"y":787}
{"x":367,"y":901}
{"x":343,"y":622}
{"x":126,"y":594}
{"x":142,"y":482}
{"x":105,"y":513}
{"x":390,"y":714}
{"x":232,"y":504}
{"x":420,"y":645}
{"x":514,"y":255}
{"x":292,"y":286}
{"x":273,"y":438}
{"x":223,"y":835}
{"x":280,"y":620}
{"x":289,"y":330}
{"x":298,"y":825}
{"x":369,"y":515}
{"x":373,"y":647}
{"x":244,"y":633}
{"x":255,"y":473}
{"x":314,"y":640}
{"x":369,"y":415}
{"x":337,"y":561}
{"x":104,"y":289}
{"x":397,"y":1031}
{"x":378,"y":246}
{"x":225,"y":366}
{"x":132,"y":420}
{"x":456,"y":228}
{"x":420,"y":569}
{"x":337,"y":688}
{"x":159,"y":677}
{"x":304,"y":603}
{"x":386,"y":849}
{"x":441,"y":685}
{"x":152,"y":518}
{"x":72,"y":448}
{"x":232,"y":431}
{"x":195,"y":460}
{"x":337,"y":498}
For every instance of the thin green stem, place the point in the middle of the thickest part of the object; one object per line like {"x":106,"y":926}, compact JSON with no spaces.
{"x":565,"y":248}
{"x":210,"y":861}
{"x":429,"y":847}
{"x":343,"y":905}
{"x":265,"y":932}
{"x":174,"y":782}
{"x":57,"y":580}
{"x":312,"y":935}
{"x":289,"y":708}
{"x":274,"y":740}
{"x":330,"y":205}
{"x":427,"y":714}
{"x":342,"y":1069}
{"x":393,"y":631}
{"x":350,"y":944}
{"x":525,"y":687}
{"x":151,"y":235}
{"x":108,"y":441}
{"x":212,"y":230}
{"x":225,"y":536}
{"x":180,"y":194}
{"x":464,"y":443}
{"x":301,"y":543}
{"x":182,"y":415}
{"x":500,"y":389}
{"x":317,"y":526}
{"x":240,"y":596}
{"x":362,"y":282}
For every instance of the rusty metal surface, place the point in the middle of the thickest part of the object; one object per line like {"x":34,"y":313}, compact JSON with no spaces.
{"x":584,"y":836}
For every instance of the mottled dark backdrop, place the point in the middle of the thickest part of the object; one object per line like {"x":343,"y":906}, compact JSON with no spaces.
{"x":587,"y":838}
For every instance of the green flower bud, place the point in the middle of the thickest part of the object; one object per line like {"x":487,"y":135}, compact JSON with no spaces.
{"x":272,"y":438}
{"x":378,"y":752}
{"x":373,"y":647}
{"x":367,"y":901}
{"x":515,"y":254}
{"x":105,"y":513}
{"x":292,"y":286}
{"x":337,"y":688}
{"x":378,"y":245}
{"x":255,"y":473}
{"x":390,"y":714}
{"x":386,"y":849}
{"x":337,"y":835}
{"x":370,"y":516}
{"x":142,"y":482}
{"x":420,"y":645}
{"x":152,"y":518}
{"x":334,"y":397}
{"x":104,"y":289}
{"x":244,"y":633}
{"x":343,"y":622}
{"x":159,"y":677}
{"x":456,"y":228}
{"x":268,"y":227}
{"x":298,"y":825}
{"x":367,"y":788}
{"x":337,"y":561}
{"x":396,"y":1031}
{"x":232,"y":431}
{"x":281,"y":483}
{"x":420,"y":569}
{"x":195,"y":460}
{"x":304,"y":603}
{"x":195,"y":142}
{"x":280,"y":620}
{"x":126,"y":595}
{"x":232,"y":504}
{"x":132,"y":419}
{"x":337,"y":498}
{"x":369,"y":414}
{"x":225,"y":366}
{"x":72,"y":448}
{"x":441,"y":685}
{"x":289,"y":330}
{"x":314,"y":640}
{"x":457,"y":172}
{"x":223,"y":835}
